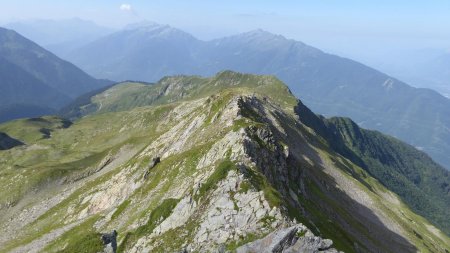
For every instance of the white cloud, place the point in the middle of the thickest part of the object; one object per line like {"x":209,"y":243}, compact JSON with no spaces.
{"x":125,"y":7}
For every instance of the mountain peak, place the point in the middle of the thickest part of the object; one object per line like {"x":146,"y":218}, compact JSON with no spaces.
{"x":150,"y":26}
{"x":261,"y":34}
{"x":263,"y":39}
{"x":320,"y":79}
{"x":143,"y":24}
{"x":158,"y":30}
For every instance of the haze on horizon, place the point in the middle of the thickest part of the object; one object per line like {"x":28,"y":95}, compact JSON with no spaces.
{"x":406,"y":24}
{"x":377,"y":33}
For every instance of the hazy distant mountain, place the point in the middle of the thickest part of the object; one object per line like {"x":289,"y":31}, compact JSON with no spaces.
{"x":141,"y":53}
{"x":437,"y":71}
{"x":60,"y":36}
{"x":23,"y":95}
{"x":34,"y":81}
{"x":329,"y":84}
{"x":20,"y":87}
{"x":427,"y":68}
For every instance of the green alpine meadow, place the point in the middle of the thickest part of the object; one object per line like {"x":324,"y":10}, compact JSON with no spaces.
{"x":241,"y":165}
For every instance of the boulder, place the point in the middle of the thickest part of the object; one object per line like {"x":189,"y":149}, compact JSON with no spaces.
{"x":275,"y":242}
{"x":294,"y":239}
{"x":154,"y":162}
{"x":151,"y":165}
{"x":110,"y":242}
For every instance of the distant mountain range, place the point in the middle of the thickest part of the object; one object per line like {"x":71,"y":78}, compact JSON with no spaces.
{"x":142,"y":53}
{"x":35,"y":81}
{"x":328,"y":84}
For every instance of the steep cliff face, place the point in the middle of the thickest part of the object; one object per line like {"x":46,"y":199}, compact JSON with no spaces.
{"x":238,"y":171}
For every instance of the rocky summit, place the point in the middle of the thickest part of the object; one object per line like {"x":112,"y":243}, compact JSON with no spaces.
{"x":231,"y":163}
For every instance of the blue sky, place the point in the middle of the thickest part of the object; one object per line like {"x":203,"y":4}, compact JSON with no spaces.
{"x":334,"y":25}
{"x":423,"y":16}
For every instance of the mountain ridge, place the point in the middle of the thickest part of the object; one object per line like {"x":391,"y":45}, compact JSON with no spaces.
{"x":387,"y":160}
{"x":329,"y":84}
{"x":27,"y":54}
{"x":36,"y":81}
{"x":236,"y":163}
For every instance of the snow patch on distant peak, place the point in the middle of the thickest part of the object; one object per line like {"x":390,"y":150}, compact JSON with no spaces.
{"x":388,"y":84}
{"x":143,"y":24}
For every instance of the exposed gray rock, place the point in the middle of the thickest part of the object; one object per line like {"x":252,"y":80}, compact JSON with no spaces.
{"x":294,"y":239}
{"x":108,"y":249}
{"x":151,"y":165}
{"x":276,"y":241}
{"x":154,"y":162}
{"x":311,"y":244}
{"x":110,"y":242}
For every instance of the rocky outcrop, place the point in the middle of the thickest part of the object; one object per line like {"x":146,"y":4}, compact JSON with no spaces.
{"x":294,"y":239}
{"x":110,"y":242}
{"x":151,"y":165}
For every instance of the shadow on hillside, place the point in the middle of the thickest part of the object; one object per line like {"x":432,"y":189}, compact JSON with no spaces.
{"x":320,"y":190}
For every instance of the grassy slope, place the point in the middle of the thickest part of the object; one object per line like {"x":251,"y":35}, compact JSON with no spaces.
{"x":129,"y":95}
{"x":33,"y":129}
{"x":422,"y":183}
{"x":329,"y":212}
{"x":68,"y":152}
{"x":89,"y":139}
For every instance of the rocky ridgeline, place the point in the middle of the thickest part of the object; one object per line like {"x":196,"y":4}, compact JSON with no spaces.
{"x":230,"y":212}
{"x":229,"y":172}
{"x":293,"y":239}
